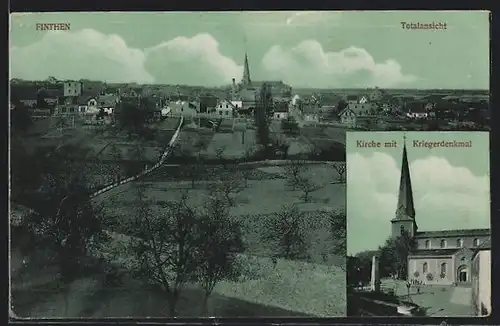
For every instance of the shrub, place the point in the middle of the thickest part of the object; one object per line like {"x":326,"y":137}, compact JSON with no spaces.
{"x":416,"y":274}
{"x":430,"y":277}
{"x":442,"y":275}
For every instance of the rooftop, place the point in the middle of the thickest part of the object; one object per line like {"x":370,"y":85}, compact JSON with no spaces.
{"x":453,"y":233}
{"x":435,"y":252}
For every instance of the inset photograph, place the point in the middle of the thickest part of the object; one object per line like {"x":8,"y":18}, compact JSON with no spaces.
{"x":418,"y":224}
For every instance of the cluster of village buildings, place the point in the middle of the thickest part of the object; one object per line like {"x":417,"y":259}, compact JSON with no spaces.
{"x":90,"y":99}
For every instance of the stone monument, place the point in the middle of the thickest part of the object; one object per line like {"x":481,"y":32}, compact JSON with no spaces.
{"x":375,"y":277}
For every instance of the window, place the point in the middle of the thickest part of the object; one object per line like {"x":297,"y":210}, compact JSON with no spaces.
{"x":443,"y":268}
{"x":425,"y":268}
{"x":71,"y":109}
{"x":460,"y":243}
{"x":427,"y":244}
{"x":476,"y":242}
{"x":227,"y":112}
{"x":82,"y":109}
{"x":220,"y":112}
{"x":227,"y":106}
{"x":443,"y":243}
{"x":402,"y":229}
{"x":63,"y":109}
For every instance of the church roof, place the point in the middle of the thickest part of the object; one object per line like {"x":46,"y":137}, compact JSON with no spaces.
{"x":246,"y":73}
{"x":435,"y":252}
{"x":453,"y":233}
{"x":405,"y":208}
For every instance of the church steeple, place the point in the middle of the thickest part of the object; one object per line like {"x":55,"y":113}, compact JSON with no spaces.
{"x":405,"y":211}
{"x":246,"y":73}
{"x":405,"y":208}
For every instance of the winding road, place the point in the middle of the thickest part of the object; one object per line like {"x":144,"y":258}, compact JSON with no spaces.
{"x":147,"y":170}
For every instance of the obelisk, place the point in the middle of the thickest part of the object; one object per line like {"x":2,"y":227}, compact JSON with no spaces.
{"x":375,"y":277}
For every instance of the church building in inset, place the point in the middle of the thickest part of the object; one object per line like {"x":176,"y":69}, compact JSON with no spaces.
{"x":441,"y":257}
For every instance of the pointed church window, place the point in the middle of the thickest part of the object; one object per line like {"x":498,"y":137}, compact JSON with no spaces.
{"x":425,"y":268}
{"x":443,"y":244}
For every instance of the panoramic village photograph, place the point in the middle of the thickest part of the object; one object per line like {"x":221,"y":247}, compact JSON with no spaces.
{"x":194,"y":164}
{"x":427,"y":250}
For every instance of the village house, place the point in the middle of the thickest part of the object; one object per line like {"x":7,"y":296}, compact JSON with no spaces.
{"x":348,"y":117}
{"x":416,"y":110}
{"x":87,"y":105}
{"x":26,"y":95}
{"x":310,"y":113}
{"x":207,"y":103}
{"x":225,"y":109}
{"x":376,"y":95}
{"x":72,"y":88}
{"x":281,"y":111}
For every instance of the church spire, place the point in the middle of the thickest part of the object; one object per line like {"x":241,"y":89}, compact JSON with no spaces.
{"x":405,"y":208}
{"x":246,"y":72}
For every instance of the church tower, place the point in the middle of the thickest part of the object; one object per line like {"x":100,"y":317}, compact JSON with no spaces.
{"x":405,"y":212}
{"x":245,"y":80}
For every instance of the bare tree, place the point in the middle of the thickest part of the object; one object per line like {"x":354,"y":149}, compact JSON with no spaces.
{"x":228,"y":185}
{"x":307,"y":186}
{"x":220,"y":242}
{"x":286,"y":230}
{"x":293,"y":171}
{"x":340,"y":168}
{"x":165,"y":246}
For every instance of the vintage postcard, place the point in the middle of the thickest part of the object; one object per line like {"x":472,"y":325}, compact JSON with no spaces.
{"x":418,"y":224}
{"x":194,"y":163}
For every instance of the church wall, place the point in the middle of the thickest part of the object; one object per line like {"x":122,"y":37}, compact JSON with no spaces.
{"x":433,"y":267}
{"x":451,"y":242}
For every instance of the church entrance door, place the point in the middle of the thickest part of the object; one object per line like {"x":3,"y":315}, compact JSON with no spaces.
{"x":463,"y":274}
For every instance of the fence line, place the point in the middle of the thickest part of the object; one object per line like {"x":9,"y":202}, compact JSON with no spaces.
{"x":147,"y":170}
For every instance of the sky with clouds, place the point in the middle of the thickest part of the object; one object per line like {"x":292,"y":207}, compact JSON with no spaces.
{"x":304,"y":49}
{"x":451,"y":187}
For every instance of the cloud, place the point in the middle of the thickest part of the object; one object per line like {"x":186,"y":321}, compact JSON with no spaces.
{"x":196,"y":61}
{"x":308,"y":65}
{"x":84,"y":54}
{"x":89,"y":54}
{"x":445,"y":196}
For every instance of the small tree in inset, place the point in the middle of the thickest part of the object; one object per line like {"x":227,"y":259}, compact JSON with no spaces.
{"x":293,"y":171}
{"x":286,"y":230}
{"x":307,"y":186}
{"x":340,"y":168}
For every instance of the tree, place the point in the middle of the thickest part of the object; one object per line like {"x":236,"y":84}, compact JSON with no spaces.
{"x":286,"y":230}
{"x":64,"y":218}
{"x":293,"y":171}
{"x":262,"y":118}
{"x":20,"y":119}
{"x":338,"y":234}
{"x":130,"y":117}
{"x":228,"y":184}
{"x":394,"y":255}
{"x":306,"y":185}
{"x":220,"y":242}
{"x":340,"y":168}
{"x":165,"y":245}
